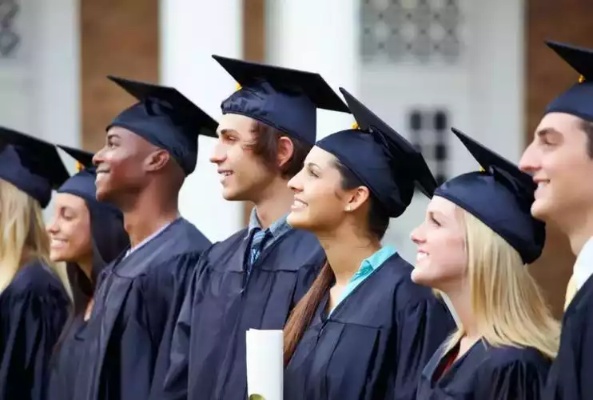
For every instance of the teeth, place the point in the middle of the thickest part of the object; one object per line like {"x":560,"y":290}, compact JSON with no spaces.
{"x":226,"y":173}
{"x":298,"y":204}
{"x":421,"y":256}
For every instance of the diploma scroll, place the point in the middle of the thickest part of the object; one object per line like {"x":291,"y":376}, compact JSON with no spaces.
{"x":265,"y":364}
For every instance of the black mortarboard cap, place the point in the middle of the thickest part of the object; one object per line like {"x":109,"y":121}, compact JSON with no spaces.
{"x":32,"y":165}
{"x":381,"y":158}
{"x":500,"y":196}
{"x":578,"y":99}
{"x":167,"y":119}
{"x":81,"y":184}
{"x":285,"y":99}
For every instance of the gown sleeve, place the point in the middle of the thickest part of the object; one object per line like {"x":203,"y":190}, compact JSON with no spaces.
{"x":517,"y":380}
{"x":570,"y":376}
{"x":30,"y":325}
{"x":146,"y":338}
{"x":171,"y":380}
{"x":421,"y":328}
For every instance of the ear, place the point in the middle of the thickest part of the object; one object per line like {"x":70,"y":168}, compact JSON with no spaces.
{"x":285,"y":150}
{"x":156,"y":160}
{"x":356,"y":198}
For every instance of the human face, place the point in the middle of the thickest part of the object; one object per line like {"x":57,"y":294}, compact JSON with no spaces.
{"x":243,"y":175}
{"x":441,"y":260}
{"x":557,"y":159}
{"x":120,"y":164}
{"x":320,"y":204}
{"x":70,"y":230}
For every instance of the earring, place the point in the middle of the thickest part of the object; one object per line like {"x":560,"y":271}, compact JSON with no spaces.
{"x":348,"y":208}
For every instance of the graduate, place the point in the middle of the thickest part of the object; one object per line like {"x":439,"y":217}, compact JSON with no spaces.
{"x":34,"y":299}
{"x":560,"y":159}
{"x":363,"y":330}
{"x":87,"y":235}
{"x":150,"y":148}
{"x":255,"y":277}
{"x":474,"y":246}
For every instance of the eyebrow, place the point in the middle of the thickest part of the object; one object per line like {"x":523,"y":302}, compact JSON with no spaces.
{"x":547,"y":132}
{"x":437,"y":213}
{"x":227,"y":131}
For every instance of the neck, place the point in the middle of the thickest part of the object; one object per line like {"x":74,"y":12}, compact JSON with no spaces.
{"x":274,"y":202}
{"x":86,"y":266}
{"x":345,"y":251}
{"x":579,"y":231}
{"x":147,"y":215}
{"x":461,"y":301}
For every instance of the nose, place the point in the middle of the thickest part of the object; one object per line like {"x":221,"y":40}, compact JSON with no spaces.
{"x":218,"y":153}
{"x":529,"y":162}
{"x":98,"y":157}
{"x":417,"y":235}
{"x":52,"y":226}
{"x":295,"y":183}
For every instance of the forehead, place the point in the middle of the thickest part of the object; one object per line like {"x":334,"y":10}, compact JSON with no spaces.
{"x":443,"y":206}
{"x":320,"y":157}
{"x":235,"y":122}
{"x":69,"y":200}
{"x":562,"y":124}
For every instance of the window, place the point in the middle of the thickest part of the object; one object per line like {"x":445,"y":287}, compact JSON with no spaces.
{"x":418,"y":31}
{"x":429,"y":134}
{"x":9,"y":38}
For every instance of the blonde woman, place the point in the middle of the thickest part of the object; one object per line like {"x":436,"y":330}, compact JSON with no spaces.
{"x":33,"y":296}
{"x":473,"y":246}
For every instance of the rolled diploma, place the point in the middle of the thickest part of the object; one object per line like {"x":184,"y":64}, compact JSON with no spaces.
{"x":265,"y":363}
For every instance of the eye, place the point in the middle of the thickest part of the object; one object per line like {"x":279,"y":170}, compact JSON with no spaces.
{"x":312,"y":173}
{"x":434,"y":221}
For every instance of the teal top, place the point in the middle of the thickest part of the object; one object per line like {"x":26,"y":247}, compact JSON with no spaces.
{"x":367,"y":267}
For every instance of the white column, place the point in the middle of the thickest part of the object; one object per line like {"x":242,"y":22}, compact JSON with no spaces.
{"x":319,"y":36}
{"x":51,"y":62}
{"x":57,"y":65}
{"x":190,"y":32}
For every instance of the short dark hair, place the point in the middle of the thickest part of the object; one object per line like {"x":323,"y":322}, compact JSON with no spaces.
{"x":265,"y":146}
{"x":587,"y":127}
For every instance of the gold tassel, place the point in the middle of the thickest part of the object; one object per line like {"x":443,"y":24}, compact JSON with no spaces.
{"x":582,"y":78}
{"x":482,"y":169}
{"x":355,"y":125}
{"x":238,"y":87}
{"x":79,"y":166}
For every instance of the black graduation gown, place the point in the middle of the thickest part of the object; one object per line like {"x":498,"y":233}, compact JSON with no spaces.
{"x":224,"y":301}
{"x":374,"y":344}
{"x":66,"y":361}
{"x":137,"y":297}
{"x":571,"y":375}
{"x":486,"y":373}
{"x":33,"y":311}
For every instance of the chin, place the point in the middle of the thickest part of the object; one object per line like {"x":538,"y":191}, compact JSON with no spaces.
{"x":421,"y":277}
{"x":540,"y":210}
{"x":297,"y":221}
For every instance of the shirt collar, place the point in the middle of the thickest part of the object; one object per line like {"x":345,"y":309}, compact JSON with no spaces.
{"x":277,"y":228}
{"x":583,"y":267}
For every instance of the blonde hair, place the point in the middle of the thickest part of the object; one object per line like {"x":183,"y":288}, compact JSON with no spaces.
{"x":23,"y":236}
{"x":506,"y":301}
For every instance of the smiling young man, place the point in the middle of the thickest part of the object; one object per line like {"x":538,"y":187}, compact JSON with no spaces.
{"x":254,"y":278}
{"x":150,"y":148}
{"x":560,"y":159}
